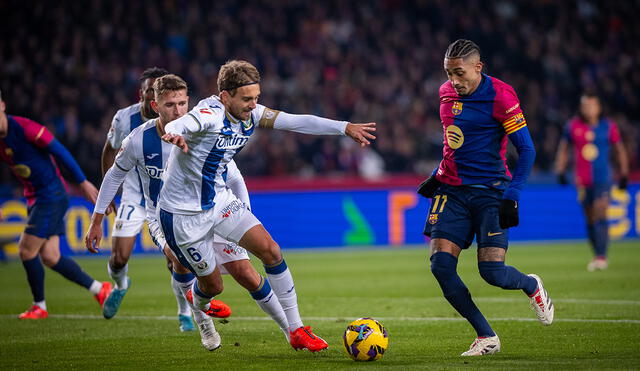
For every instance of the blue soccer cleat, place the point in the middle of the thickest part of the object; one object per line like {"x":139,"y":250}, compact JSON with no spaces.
{"x":112,"y":304}
{"x":186,"y":324}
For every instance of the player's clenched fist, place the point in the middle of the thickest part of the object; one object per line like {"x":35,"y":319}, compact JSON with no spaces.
{"x":177,"y":140}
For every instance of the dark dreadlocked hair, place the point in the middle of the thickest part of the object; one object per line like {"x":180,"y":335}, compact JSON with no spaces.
{"x":153,"y":73}
{"x":462,"y":48}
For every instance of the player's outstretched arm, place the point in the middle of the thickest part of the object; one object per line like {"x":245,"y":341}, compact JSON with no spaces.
{"x":361,"y":133}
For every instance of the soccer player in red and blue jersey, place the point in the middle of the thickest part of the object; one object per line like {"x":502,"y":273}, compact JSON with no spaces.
{"x":593,"y":136}
{"x":473,"y":193}
{"x":31,"y":151}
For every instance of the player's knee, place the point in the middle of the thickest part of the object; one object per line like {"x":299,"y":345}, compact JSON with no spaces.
{"x":50,"y":260}
{"x":270,"y":252}
{"x":443,"y":265}
{"x":493,"y":273}
{"x":117,"y":262}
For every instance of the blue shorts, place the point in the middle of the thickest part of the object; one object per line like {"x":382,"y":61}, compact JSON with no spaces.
{"x":587,"y":195}
{"x":458,"y":213}
{"x":46,"y":219}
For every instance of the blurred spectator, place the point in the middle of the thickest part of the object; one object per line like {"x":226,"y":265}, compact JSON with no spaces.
{"x":72,"y":64}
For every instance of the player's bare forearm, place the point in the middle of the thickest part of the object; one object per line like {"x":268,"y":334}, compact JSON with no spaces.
{"x":177,"y":140}
{"x":361,"y":133}
{"x":108,"y":157}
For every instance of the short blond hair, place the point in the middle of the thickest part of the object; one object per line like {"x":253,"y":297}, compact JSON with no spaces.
{"x":167,"y":83}
{"x":235,"y":74}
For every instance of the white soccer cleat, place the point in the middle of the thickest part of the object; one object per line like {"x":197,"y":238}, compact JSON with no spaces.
{"x":209,"y":336}
{"x":541,"y":303}
{"x":483,"y":347}
{"x":597,"y":265}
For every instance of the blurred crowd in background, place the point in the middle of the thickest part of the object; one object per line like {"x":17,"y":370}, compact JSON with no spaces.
{"x":71,"y":64}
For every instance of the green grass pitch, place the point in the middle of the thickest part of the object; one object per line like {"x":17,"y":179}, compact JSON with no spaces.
{"x":597,"y":315}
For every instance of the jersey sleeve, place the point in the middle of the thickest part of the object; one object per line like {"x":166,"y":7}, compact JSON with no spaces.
{"x":566,"y":133}
{"x":306,"y":124}
{"x":507,"y":110}
{"x":197,"y":120}
{"x":116,"y":133}
{"x":126,"y":158}
{"x":36,"y":133}
{"x":614,"y":133}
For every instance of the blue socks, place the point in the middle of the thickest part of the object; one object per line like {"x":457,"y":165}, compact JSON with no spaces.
{"x":507,"y":277}
{"x":443,"y":267}
{"x":68,"y":268}
{"x":600,"y":238}
{"x":35,"y":277}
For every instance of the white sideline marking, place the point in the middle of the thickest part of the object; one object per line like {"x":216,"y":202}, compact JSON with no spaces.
{"x":346,"y":318}
{"x":520,"y":300}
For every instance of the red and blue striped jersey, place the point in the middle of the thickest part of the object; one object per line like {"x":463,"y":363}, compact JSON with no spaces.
{"x":475,"y":133}
{"x":25,"y":150}
{"x":592,"y":146}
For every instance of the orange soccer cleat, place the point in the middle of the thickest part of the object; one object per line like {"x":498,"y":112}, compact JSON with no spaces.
{"x":303,"y":338}
{"x":104,"y":293}
{"x":217,"y":308}
{"x":35,"y":312}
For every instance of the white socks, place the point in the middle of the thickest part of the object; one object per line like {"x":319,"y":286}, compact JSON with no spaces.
{"x":180,"y":292}
{"x":95,"y":287}
{"x":282,"y":284}
{"x":268,"y":302}
{"x":119,"y":277}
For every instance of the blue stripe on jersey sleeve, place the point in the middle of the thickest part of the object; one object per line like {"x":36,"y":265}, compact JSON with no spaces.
{"x":152,"y":152}
{"x":135,"y":120}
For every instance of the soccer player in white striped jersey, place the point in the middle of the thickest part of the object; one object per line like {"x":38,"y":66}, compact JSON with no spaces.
{"x":131,"y":213}
{"x":144,"y":151}
{"x":195,"y":202}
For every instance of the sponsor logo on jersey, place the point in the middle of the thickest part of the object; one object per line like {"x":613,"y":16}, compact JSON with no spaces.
{"x":455,"y":138}
{"x":23,"y":171}
{"x":456,"y":109}
{"x":232,"y":208}
{"x":433,"y":218}
{"x":233,"y":249}
{"x":8,"y":152}
{"x":231,"y":141}
{"x":206,"y":111}
{"x":151,"y":156}
{"x":154,"y":172}
{"x":589,"y":152}
{"x":512,"y":108}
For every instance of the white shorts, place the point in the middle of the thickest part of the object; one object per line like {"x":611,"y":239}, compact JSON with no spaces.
{"x":191,"y":237}
{"x":129,"y":220}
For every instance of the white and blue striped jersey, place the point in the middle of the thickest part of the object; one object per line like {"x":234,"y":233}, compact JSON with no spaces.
{"x":123,"y":123}
{"x":196,"y":181}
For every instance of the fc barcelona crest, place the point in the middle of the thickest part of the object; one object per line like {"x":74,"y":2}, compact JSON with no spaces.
{"x":456,"y":109}
{"x":433,"y":218}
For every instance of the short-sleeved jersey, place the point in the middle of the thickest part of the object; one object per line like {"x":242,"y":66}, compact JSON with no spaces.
{"x":25,"y":150}
{"x":475,"y":133}
{"x":592,"y":146}
{"x":145,"y":151}
{"x":123,"y":123}
{"x":196,"y":181}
